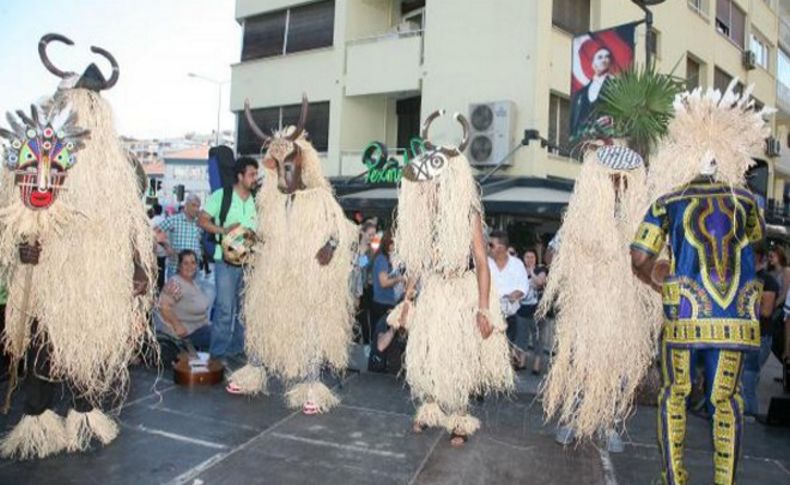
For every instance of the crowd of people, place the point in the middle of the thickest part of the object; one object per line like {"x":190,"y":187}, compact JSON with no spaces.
{"x":380,"y":284}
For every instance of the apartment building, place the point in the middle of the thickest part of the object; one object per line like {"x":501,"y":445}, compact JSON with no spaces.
{"x":374,"y":68}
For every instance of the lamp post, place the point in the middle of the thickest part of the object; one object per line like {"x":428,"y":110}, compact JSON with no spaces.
{"x":219,"y":98}
{"x":644,"y":4}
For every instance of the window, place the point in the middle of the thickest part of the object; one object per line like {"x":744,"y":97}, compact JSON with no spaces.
{"x":408,"y":111}
{"x":653,"y":42}
{"x":560,"y":124}
{"x":760,"y":49}
{"x":693,"y":73}
{"x":407,"y":6}
{"x":731,"y":21}
{"x":699,"y":6}
{"x":783,"y":68}
{"x":270,"y":119}
{"x":571,"y":15}
{"x":291,"y":30}
{"x":721,"y":80}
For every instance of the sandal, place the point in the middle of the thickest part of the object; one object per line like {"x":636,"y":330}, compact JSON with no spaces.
{"x":458,"y":440}
{"x":309,"y":408}
{"x":233,"y":388}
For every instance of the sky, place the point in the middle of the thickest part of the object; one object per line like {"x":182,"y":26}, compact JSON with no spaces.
{"x":156,"y":42}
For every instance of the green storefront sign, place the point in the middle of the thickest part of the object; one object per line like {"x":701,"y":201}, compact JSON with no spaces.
{"x":384,"y":169}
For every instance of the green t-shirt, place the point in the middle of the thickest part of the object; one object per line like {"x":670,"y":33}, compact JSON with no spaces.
{"x":3,"y":294}
{"x":240,"y":211}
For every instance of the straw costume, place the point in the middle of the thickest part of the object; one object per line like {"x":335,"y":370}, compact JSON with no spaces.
{"x":76,"y":247}
{"x":298,"y":306}
{"x":606,"y":321}
{"x":439,"y":239}
{"x":708,"y":218}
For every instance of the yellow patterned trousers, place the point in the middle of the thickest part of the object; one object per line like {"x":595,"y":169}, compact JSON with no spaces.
{"x":722,"y":386}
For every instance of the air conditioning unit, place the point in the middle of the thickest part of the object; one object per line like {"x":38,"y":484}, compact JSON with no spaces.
{"x":491,"y":136}
{"x":773,"y":147}
{"x":749,"y":60}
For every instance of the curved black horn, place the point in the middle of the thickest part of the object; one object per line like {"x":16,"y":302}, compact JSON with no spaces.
{"x":42,"y":53}
{"x":302,"y":119}
{"x":115,"y":69}
{"x":254,"y":126}
{"x":426,"y":125}
{"x":465,"y":137}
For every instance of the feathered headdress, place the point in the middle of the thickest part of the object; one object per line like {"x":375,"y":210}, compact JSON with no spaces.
{"x":713,"y":134}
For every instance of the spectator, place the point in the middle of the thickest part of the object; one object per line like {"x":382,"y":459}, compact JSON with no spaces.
{"x":227,"y":333}
{"x":182,"y":233}
{"x":536,"y":277}
{"x":183,"y":306}
{"x":509,"y":277}
{"x":755,"y":359}
{"x":161,"y":253}
{"x":781,"y":336}
{"x":385,"y":280}
{"x":365,"y":262}
{"x":386,"y":351}
{"x":777,"y":267}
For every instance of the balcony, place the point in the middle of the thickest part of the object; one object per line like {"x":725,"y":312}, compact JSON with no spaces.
{"x":387,"y":63}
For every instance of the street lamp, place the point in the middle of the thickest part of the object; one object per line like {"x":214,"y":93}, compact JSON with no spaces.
{"x":219,"y":98}
{"x":644,"y":4}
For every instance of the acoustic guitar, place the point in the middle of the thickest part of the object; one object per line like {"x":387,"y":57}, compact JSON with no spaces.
{"x":190,"y":371}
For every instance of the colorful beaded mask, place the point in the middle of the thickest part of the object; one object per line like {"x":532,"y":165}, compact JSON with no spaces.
{"x":40,"y":150}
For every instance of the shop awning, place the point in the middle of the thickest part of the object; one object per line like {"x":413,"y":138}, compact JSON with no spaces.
{"x":525,"y":196}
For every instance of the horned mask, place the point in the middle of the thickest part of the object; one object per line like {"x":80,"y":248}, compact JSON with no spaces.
{"x":282,"y":150}
{"x":430,"y":164}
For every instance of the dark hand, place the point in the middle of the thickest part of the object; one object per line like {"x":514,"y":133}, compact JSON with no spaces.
{"x":139,"y":280}
{"x":485,"y":327}
{"x":29,"y":253}
{"x":659,"y":274}
{"x":324,"y":255}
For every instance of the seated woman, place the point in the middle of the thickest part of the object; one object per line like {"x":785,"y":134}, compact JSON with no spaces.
{"x":183,"y":306}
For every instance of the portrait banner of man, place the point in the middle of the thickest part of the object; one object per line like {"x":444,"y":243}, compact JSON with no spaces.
{"x":596,"y":58}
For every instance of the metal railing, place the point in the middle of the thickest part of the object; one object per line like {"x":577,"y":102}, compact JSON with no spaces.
{"x":385,"y":36}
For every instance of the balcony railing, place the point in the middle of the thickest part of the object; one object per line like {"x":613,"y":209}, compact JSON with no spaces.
{"x":369,"y":63}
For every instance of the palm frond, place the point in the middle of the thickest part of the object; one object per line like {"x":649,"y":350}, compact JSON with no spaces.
{"x":639,"y":101}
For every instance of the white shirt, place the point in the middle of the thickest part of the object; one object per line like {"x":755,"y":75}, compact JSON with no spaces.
{"x":513,"y":277}
{"x":531,"y":298}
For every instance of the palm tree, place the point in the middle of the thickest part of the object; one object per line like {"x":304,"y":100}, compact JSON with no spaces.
{"x":639,"y":104}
